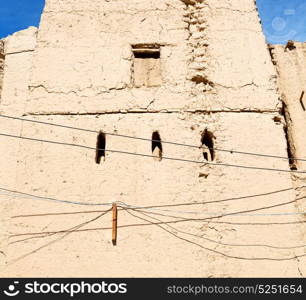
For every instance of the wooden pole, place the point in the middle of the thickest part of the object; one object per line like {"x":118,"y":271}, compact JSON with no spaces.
{"x":114,"y":231}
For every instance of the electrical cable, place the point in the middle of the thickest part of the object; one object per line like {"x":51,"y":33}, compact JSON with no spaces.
{"x":150,"y":140}
{"x":132,"y":207}
{"x":152,"y":156}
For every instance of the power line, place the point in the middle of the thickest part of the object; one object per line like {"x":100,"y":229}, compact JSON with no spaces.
{"x":224,"y":214}
{"x":127,"y":207}
{"x":132,"y":207}
{"x":152,"y":207}
{"x":152,"y":156}
{"x":222,"y":222}
{"x":53,"y":199}
{"x":175,"y":234}
{"x":220,"y":213}
{"x":218,"y":201}
{"x":159,"y":223}
{"x":130,"y":225}
{"x":225,"y":244}
{"x":150,"y":140}
{"x":67,"y":232}
{"x":44,"y":234}
{"x":47,"y":234}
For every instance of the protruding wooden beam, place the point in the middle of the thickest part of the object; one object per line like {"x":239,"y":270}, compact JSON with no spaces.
{"x":114,"y":230}
{"x":290,"y":45}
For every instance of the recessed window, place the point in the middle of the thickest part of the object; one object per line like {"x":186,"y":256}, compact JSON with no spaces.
{"x":207,"y":141}
{"x":100,"y":147}
{"x":146,"y":65}
{"x":157,"y":149}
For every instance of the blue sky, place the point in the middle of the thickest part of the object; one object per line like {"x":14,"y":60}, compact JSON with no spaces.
{"x":16,"y":15}
{"x":282,"y":19}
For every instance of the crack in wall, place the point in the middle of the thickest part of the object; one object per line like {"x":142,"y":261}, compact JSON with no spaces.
{"x":195,"y":111}
{"x":288,"y":126}
{"x":197,"y":79}
{"x":2,"y":60}
{"x":288,"y":134}
{"x":19,"y":52}
{"x":236,"y":10}
{"x":239,"y":86}
{"x":271,"y":52}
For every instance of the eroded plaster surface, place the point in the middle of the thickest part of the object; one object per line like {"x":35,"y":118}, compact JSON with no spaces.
{"x":213,"y":72}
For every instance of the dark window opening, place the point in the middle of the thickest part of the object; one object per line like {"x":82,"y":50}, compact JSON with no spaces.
{"x":301,"y":100}
{"x":157,"y":149}
{"x":146,"y":54}
{"x":207,"y":141}
{"x":100,"y":147}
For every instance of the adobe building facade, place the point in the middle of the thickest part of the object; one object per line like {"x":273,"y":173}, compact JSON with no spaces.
{"x":187,"y":71}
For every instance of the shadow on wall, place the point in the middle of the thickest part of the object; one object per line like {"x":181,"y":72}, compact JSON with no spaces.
{"x":17,"y":15}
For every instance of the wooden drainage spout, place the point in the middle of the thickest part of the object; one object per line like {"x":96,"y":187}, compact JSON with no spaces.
{"x":114,"y":224}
